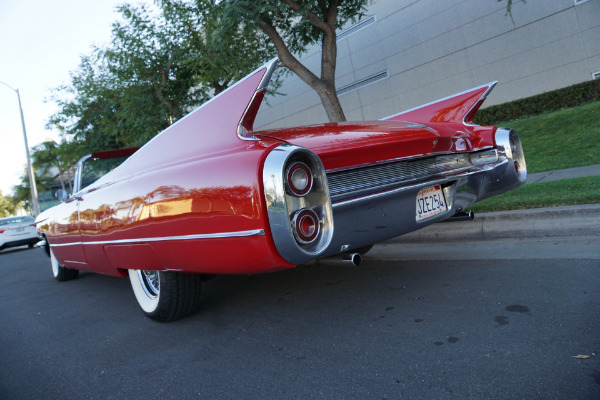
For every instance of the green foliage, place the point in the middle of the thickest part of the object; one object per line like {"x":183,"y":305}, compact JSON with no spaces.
{"x":216,"y":56}
{"x":299,"y":23}
{"x":7,"y":206}
{"x":21,"y":193}
{"x":161,"y":63}
{"x":543,"y":103}
{"x":53,"y":161}
{"x":124,"y":95}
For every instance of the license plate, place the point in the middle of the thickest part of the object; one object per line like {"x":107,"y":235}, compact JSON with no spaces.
{"x":430,"y":202}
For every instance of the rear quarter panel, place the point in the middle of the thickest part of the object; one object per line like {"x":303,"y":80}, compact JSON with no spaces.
{"x":218,"y":194}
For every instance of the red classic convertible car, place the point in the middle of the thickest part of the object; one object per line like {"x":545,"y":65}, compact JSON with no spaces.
{"x":209,"y":195}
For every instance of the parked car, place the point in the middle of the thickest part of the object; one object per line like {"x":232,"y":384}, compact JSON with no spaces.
{"x":18,"y":231}
{"x":209,"y":195}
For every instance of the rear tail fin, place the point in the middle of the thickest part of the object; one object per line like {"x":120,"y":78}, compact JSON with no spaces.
{"x":460,"y":107}
{"x":214,"y":126}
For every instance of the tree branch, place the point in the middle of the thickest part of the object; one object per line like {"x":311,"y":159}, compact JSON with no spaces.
{"x":287,"y":58}
{"x":311,"y":16}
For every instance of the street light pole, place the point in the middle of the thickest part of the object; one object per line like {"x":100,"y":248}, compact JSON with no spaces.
{"x":35,"y":203}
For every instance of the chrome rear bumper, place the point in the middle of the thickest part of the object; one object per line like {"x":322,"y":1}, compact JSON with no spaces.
{"x":373,"y":204}
{"x":381,"y":216}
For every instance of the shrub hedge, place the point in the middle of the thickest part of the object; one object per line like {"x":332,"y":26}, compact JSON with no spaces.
{"x":570,"y":96}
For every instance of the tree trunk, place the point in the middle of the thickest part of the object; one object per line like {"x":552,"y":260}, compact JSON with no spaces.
{"x":331,"y":103}
{"x":325,"y":85}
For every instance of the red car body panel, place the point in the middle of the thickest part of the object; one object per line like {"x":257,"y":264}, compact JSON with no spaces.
{"x":460,"y":107}
{"x":193,"y":199}
{"x":154,"y":209}
{"x":377,"y":141}
{"x":156,"y":193}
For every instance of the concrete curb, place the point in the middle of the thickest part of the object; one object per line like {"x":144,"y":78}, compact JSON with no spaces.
{"x":582,"y":220}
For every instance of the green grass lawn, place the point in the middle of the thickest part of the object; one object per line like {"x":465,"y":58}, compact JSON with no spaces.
{"x":545,"y":194}
{"x":562,"y":139}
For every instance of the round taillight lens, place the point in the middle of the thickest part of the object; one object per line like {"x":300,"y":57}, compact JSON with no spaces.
{"x":299,"y":179}
{"x":306,"y":226}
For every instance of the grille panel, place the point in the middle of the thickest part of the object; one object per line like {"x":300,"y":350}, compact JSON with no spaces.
{"x":363,"y":181}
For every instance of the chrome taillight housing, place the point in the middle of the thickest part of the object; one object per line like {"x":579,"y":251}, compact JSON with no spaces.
{"x":298,"y":203}
{"x":509,"y":146}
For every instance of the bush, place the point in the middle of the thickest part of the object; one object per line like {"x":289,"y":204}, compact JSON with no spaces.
{"x":571,"y":96}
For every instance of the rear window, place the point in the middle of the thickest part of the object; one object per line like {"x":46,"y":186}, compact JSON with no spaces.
{"x":16,"y":220}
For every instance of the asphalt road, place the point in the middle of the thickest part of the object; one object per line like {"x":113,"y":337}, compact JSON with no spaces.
{"x":484,"y":322}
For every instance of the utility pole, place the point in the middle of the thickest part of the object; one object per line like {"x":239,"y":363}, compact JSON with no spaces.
{"x":35,"y":203}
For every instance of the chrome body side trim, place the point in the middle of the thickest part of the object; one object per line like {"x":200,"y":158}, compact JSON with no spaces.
{"x":220,"y":235}
{"x":77,"y":181}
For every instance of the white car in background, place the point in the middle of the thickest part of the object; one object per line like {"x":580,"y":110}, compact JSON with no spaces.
{"x":18,"y":231}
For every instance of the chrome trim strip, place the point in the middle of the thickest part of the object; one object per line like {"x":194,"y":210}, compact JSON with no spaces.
{"x":479,"y":101}
{"x":400,"y":159}
{"x":411,"y":126}
{"x":344,"y":185}
{"x":78,"y":178}
{"x":271,"y":65}
{"x":438,"y":181}
{"x":254,"y":232}
{"x":262,"y":86}
{"x":496,"y":178}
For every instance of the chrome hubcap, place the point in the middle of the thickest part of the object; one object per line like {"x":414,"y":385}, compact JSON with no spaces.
{"x":150,"y":283}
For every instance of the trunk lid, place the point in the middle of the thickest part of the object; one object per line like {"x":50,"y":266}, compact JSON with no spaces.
{"x":352,"y":144}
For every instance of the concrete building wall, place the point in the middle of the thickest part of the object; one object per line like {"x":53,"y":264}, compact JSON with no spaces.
{"x":417,"y":51}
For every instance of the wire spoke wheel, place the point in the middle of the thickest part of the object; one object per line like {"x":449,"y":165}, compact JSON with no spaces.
{"x":151,"y":282}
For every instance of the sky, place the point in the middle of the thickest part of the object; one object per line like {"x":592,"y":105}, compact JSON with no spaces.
{"x":40,"y":43}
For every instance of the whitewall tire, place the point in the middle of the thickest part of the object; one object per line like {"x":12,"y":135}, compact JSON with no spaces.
{"x":166,"y":296}
{"x":61,"y":273}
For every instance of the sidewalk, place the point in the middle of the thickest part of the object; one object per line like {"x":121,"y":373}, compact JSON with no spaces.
{"x":590,"y":170}
{"x":580,"y":220}
{"x":583,"y":220}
